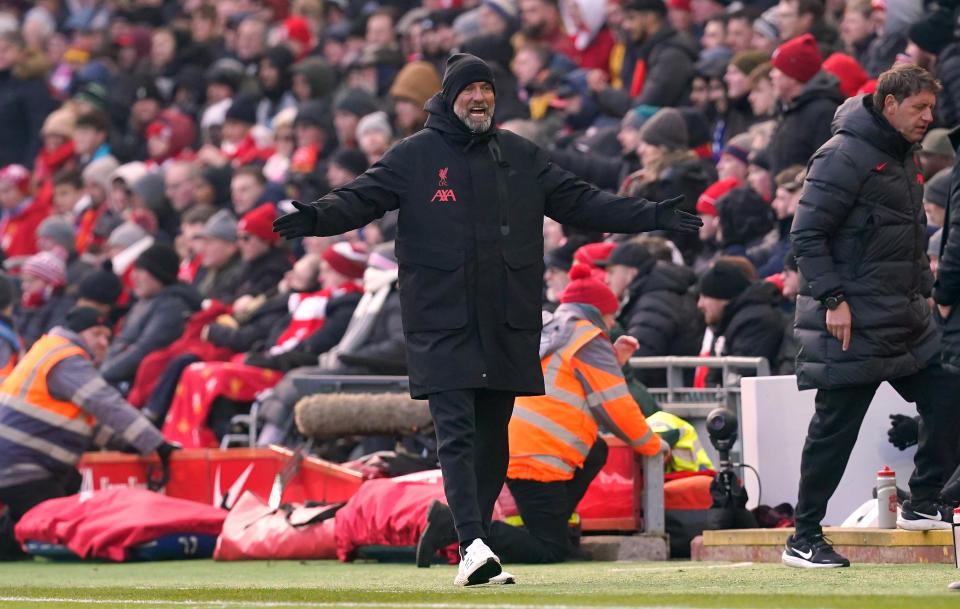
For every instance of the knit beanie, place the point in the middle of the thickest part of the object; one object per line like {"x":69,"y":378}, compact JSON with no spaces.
{"x":125,"y":235}
{"x":746,"y":61}
{"x":346,"y":258}
{"x":847,"y":71}
{"x":723,"y":280}
{"x":17,"y":176}
{"x":667,"y":129}
{"x":383,"y":257}
{"x":561,"y":257}
{"x":259,"y":223}
{"x":59,"y":122}
{"x":634,"y":255}
{"x":937,"y":141}
{"x":151,"y":189}
{"x":161,"y":261}
{"x":350,"y":159}
{"x":377,"y":121}
{"x":101,"y":286}
{"x":506,"y":9}
{"x":766,"y":24}
{"x":356,"y":101}
{"x":100,"y":170}
{"x":463,"y":69}
{"x":707,"y":203}
{"x":221,"y":225}
{"x":84,"y":318}
{"x":699,"y":131}
{"x":646,"y":6}
{"x":58,"y":230}
{"x":636,"y":117}
{"x":933,"y":32}
{"x":593,"y":254}
{"x":243,"y":109}
{"x":7,"y":291}
{"x":129,"y":173}
{"x":417,"y":82}
{"x":585,"y":289}
{"x":739,"y":148}
{"x":313,"y":112}
{"x":48,"y":267}
{"x":937,"y":188}
{"x":799,"y":58}
{"x":933,"y":245}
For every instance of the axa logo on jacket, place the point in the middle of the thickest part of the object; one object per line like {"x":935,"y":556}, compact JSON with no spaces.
{"x":443,"y":195}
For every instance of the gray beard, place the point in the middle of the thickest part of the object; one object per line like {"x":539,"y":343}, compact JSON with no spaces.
{"x":476,"y":126}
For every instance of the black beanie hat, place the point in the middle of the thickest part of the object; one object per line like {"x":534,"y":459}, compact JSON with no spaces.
{"x":463,"y":69}
{"x":101,"y":285}
{"x":723,"y":280}
{"x":790,"y":261}
{"x":243,"y":109}
{"x":161,"y":261}
{"x":634,"y":255}
{"x":350,"y":159}
{"x":83,"y":318}
{"x":561,"y":257}
{"x":932,"y":33}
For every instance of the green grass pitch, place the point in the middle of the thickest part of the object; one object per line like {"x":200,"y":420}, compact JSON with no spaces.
{"x":240,"y":585}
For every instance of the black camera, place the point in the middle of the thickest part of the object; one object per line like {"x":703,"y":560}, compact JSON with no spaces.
{"x":722,"y":429}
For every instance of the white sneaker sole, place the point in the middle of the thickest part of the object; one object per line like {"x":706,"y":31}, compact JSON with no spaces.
{"x":799,"y":563}
{"x":503,"y":579}
{"x":923,"y":525}
{"x":481,"y":575}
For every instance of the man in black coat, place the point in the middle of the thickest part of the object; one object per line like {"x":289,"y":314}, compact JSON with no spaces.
{"x":470,"y":249}
{"x":743,"y":315}
{"x":862,"y":315}
{"x":657,"y":307}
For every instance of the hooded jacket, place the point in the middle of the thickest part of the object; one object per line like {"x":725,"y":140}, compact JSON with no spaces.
{"x":661,"y":313}
{"x":804,"y":123}
{"x":860,"y":230}
{"x":752,"y":324}
{"x":151,"y":324}
{"x":470,"y":245}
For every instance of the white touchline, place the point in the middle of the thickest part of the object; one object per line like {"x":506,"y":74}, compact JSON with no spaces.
{"x":309,"y":605}
{"x":735,"y":565}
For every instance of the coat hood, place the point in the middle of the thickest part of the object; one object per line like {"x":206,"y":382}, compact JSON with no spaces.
{"x":822,"y":85}
{"x":558,"y":327}
{"x":442,"y":118}
{"x":665,"y":276}
{"x":857,"y":117}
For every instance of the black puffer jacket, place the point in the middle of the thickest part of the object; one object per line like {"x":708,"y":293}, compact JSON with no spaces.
{"x":860,"y":230}
{"x":268,"y":320}
{"x":946,"y":291}
{"x":804,"y":123}
{"x":948,"y":73}
{"x":662,"y":315}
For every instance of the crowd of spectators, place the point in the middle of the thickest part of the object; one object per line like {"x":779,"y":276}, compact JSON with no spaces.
{"x":150,"y":144}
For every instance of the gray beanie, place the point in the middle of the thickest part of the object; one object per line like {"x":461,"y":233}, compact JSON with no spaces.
{"x":666,"y":128}
{"x":937,"y":189}
{"x":221,"y":225}
{"x":375,"y":121}
{"x":126,"y":235}
{"x":100,"y":171}
{"x":933,"y":244}
{"x":59,"y":230}
{"x":151,"y":189}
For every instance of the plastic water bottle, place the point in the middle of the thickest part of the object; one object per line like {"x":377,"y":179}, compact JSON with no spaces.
{"x":956,"y":536}
{"x":886,"y":499}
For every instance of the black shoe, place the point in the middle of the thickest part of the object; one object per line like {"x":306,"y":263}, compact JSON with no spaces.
{"x":439,"y":533}
{"x":925,"y":516}
{"x":811,"y":552}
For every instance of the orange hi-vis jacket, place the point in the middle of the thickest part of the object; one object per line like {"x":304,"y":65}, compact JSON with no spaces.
{"x":27,"y":382}
{"x":550,"y":435}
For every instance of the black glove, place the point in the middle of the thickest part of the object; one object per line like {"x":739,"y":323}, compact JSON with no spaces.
{"x":300,"y":223}
{"x":903,"y":431}
{"x":157,"y":477}
{"x":671,"y":218}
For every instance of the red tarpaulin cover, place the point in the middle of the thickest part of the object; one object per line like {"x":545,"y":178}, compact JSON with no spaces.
{"x":106,"y":524}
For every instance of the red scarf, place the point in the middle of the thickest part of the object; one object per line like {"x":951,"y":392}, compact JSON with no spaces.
{"x":308,"y":312}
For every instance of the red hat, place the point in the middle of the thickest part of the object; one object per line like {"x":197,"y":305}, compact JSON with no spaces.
{"x":680,"y":5}
{"x":799,"y":58}
{"x":17,"y":176}
{"x":868,"y":87}
{"x":593,"y":254}
{"x":706,"y":204}
{"x":259,"y":223}
{"x":346,"y":258}
{"x":846,"y":68}
{"x":296,"y":28}
{"x":584,"y":288}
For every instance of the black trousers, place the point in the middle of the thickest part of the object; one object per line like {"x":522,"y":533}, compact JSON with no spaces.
{"x":21,"y":497}
{"x":545,"y":508}
{"x":473,"y":450}
{"x":836,"y":424}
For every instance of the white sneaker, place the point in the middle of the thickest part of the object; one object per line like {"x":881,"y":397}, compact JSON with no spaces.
{"x":477,"y":565}
{"x":507,"y":578}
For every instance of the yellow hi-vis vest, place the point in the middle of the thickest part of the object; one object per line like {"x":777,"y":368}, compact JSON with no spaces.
{"x":550,"y":435}
{"x":687,"y":455}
